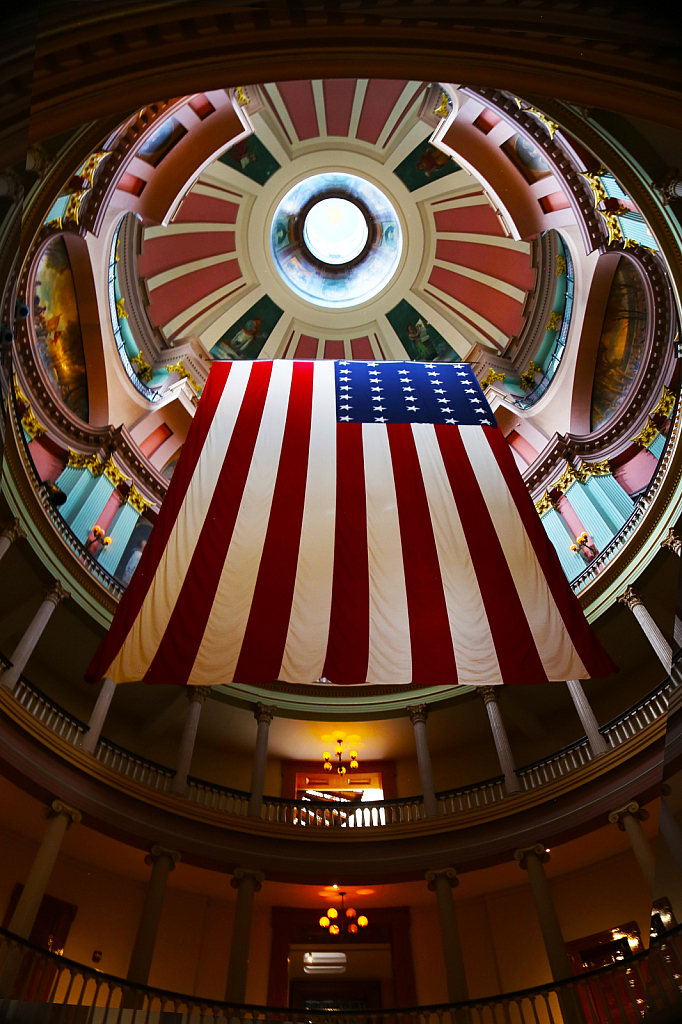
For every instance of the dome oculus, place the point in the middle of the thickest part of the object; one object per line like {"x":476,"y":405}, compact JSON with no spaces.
{"x":336,"y":240}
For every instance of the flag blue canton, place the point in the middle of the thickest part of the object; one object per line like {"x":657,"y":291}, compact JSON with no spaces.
{"x":389,"y":392}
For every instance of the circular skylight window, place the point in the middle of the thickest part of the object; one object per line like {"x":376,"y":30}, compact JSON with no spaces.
{"x":336,"y":240}
{"x":335,"y":231}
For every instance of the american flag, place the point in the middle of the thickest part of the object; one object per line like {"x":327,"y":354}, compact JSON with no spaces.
{"x":349,"y":522}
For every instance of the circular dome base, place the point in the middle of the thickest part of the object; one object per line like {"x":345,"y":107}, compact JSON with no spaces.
{"x":336,"y":240}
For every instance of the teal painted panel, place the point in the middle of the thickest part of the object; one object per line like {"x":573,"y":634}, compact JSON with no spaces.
{"x":247,"y":336}
{"x":252,"y":158}
{"x":420,"y":339}
{"x":424,"y":164}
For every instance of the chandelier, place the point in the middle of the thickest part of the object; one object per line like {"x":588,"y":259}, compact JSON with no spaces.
{"x":338,"y":753}
{"x":343,"y":922}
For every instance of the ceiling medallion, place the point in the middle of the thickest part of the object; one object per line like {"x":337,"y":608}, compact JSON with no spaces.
{"x":336,"y":240}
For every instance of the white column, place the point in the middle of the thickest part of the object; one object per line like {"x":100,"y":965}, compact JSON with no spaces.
{"x":628,"y":820}
{"x":99,"y":713}
{"x":531,"y":860}
{"x":673,"y":541}
{"x":418,"y":715}
{"x":247,"y":883}
{"x":664,"y":651}
{"x":26,"y":645}
{"x":61,"y":816}
{"x":586,"y":714}
{"x":196,"y":696}
{"x":264,"y":716}
{"x":163,"y":862}
{"x":504,"y":752}
{"x":442,"y":883}
{"x":11,"y":533}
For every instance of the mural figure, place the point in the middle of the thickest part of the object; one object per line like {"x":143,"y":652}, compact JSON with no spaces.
{"x":252,"y":158}
{"x":527,"y":158}
{"x":57,"y":328}
{"x":246,"y":338}
{"x":420,"y":339}
{"x":132,"y":553}
{"x":424,"y":164}
{"x":621,"y":345}
{"x":132,"y":563}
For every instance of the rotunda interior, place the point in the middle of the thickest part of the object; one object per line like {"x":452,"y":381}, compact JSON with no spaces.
{"x":341,"y":207}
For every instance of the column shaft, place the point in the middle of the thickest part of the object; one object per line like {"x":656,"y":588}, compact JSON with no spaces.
{"x":27,"y":908}
{"x":559,"y":962}
{"x":11,"y":533}
{"x":424,"y":762}
{"x":654,"y":636}
{"x":247,"y":884}
{"x":189,"y":735}
{"x":27,"y":644}
{"x":504,"y":752}
{"x":141,"y":958}
{"x":586,"y":715}
{"x":99,"y":713}
{"x":263,"y":716}
{"x":452,"y":946}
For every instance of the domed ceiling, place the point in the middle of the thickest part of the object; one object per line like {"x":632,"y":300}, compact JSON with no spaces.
{"x":433,"y":270}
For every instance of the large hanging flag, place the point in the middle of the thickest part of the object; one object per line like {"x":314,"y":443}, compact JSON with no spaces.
{"x":348,"y":521}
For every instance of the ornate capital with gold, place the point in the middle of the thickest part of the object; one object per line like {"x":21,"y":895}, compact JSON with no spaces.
{"x":264,"y":712}
{"x":631,"y":598}
{"x":666,"y":403}
{"x":13,"y":531}
{"x":545,"y":503}
{"x":138,"y":502}
{"x":56,"y":593}
{"x":417,"y":713}
{"x":113,"y":473}
{"x":647,"y":434}
{"x":492,"y":376}
{"x":588,"y":469}
{"x":673,"y":541}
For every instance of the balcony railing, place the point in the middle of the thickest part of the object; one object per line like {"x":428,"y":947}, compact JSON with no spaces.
{"x":332,"y":814}
{"x":620,"y":993}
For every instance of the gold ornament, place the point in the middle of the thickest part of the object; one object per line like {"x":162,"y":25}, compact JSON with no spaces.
{"x":554,"y":322}
{"x":184,"y":374}
{"x":31,"y":425}
{"x":113,"y":473}
{"x":242,"y":96}
{"x":527,"y":379}
{"x":666,"y":403}
{"x":588,"y":469}
{"x":121,"y":309}
{"x":142,"y":367}
{"x":647,"y":434}
{"x":593,"y":179}
{"x":544,"y":504}
{"x":560,"y":265}
{"x":490,"y":378}
{"x":444,"y":108}
{"x":138,"y":502}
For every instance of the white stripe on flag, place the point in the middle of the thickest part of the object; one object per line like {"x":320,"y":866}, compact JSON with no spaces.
{"x":146,"y":634}
{"x":390,"y":651}
{"x":306,"y":645}
{"x":472,"y":640}
{"x":222,"y":640}
{"x":555,"y":647}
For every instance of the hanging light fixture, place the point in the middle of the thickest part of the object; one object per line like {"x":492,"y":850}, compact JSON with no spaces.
{"x":345,"y":923}
{"x":338,"y":753}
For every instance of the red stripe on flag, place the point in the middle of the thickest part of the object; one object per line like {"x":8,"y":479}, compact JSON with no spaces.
{"x":177,"y":651}
{"x":131,"y":602}
{"x":592,"y":654}
{"x":262,"y":648}
{"x":517,"y":654}
{"x":348,"y":645}
{"x":433,"y":656}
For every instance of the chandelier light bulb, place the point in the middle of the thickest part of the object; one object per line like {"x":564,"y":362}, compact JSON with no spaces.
{"x":350,"y":912}
{"x":354,"y":755}
{"x":333,"y":929}
{"x":324,"y":922}
{"x":362,"y":921}
{"x":341,"y":770}
{"x":353,"y":928}
{"x":326,"y":756}
{"x":332,"y":913}
{"x":354,"y":764}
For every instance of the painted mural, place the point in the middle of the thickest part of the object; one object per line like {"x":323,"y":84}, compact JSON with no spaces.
{"x":420,"y":339}
{"x":247,"y":336}
{"x":621,"y":345}
{"x":132,"y":553}
{"x":527,"y":158}
{"x":57,"y":328}
{"x":252,"y":158}
{"x":424,"y":164}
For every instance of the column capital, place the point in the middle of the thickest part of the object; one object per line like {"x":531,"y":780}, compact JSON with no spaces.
{"x":449,"y":873}
{"x":198,"y":694}
{"x":673,"y":541}
{"x":56,"y":593}
{"x":538,"y":849}
{"x":488,"y":694}
{"x":14,"y":531}
{"x":161,"y":851}
{"x":417,"y":713}
{"x":241,"y":875}
{"x":264,"y":712}
{"x":633,"y":809}
{"x":58,"y":807}
{"x":630,"y":597}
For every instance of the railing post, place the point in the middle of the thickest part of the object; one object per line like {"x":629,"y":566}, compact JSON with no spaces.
{"x":247,"y":883}
{"x":24,"y":649}
{"x":163,"y":862}
{"x":662,"y":648}
{"x":418,"y":715}
{"x":11,"y":533}
{"x":504,"y":752}
{"x":99,"y":713}
{"x":628,"y":820}
{"x":586,"y":714}
{"x":196,"y":696}
{"x":442,"y":883}
{"x":264,"y":716}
